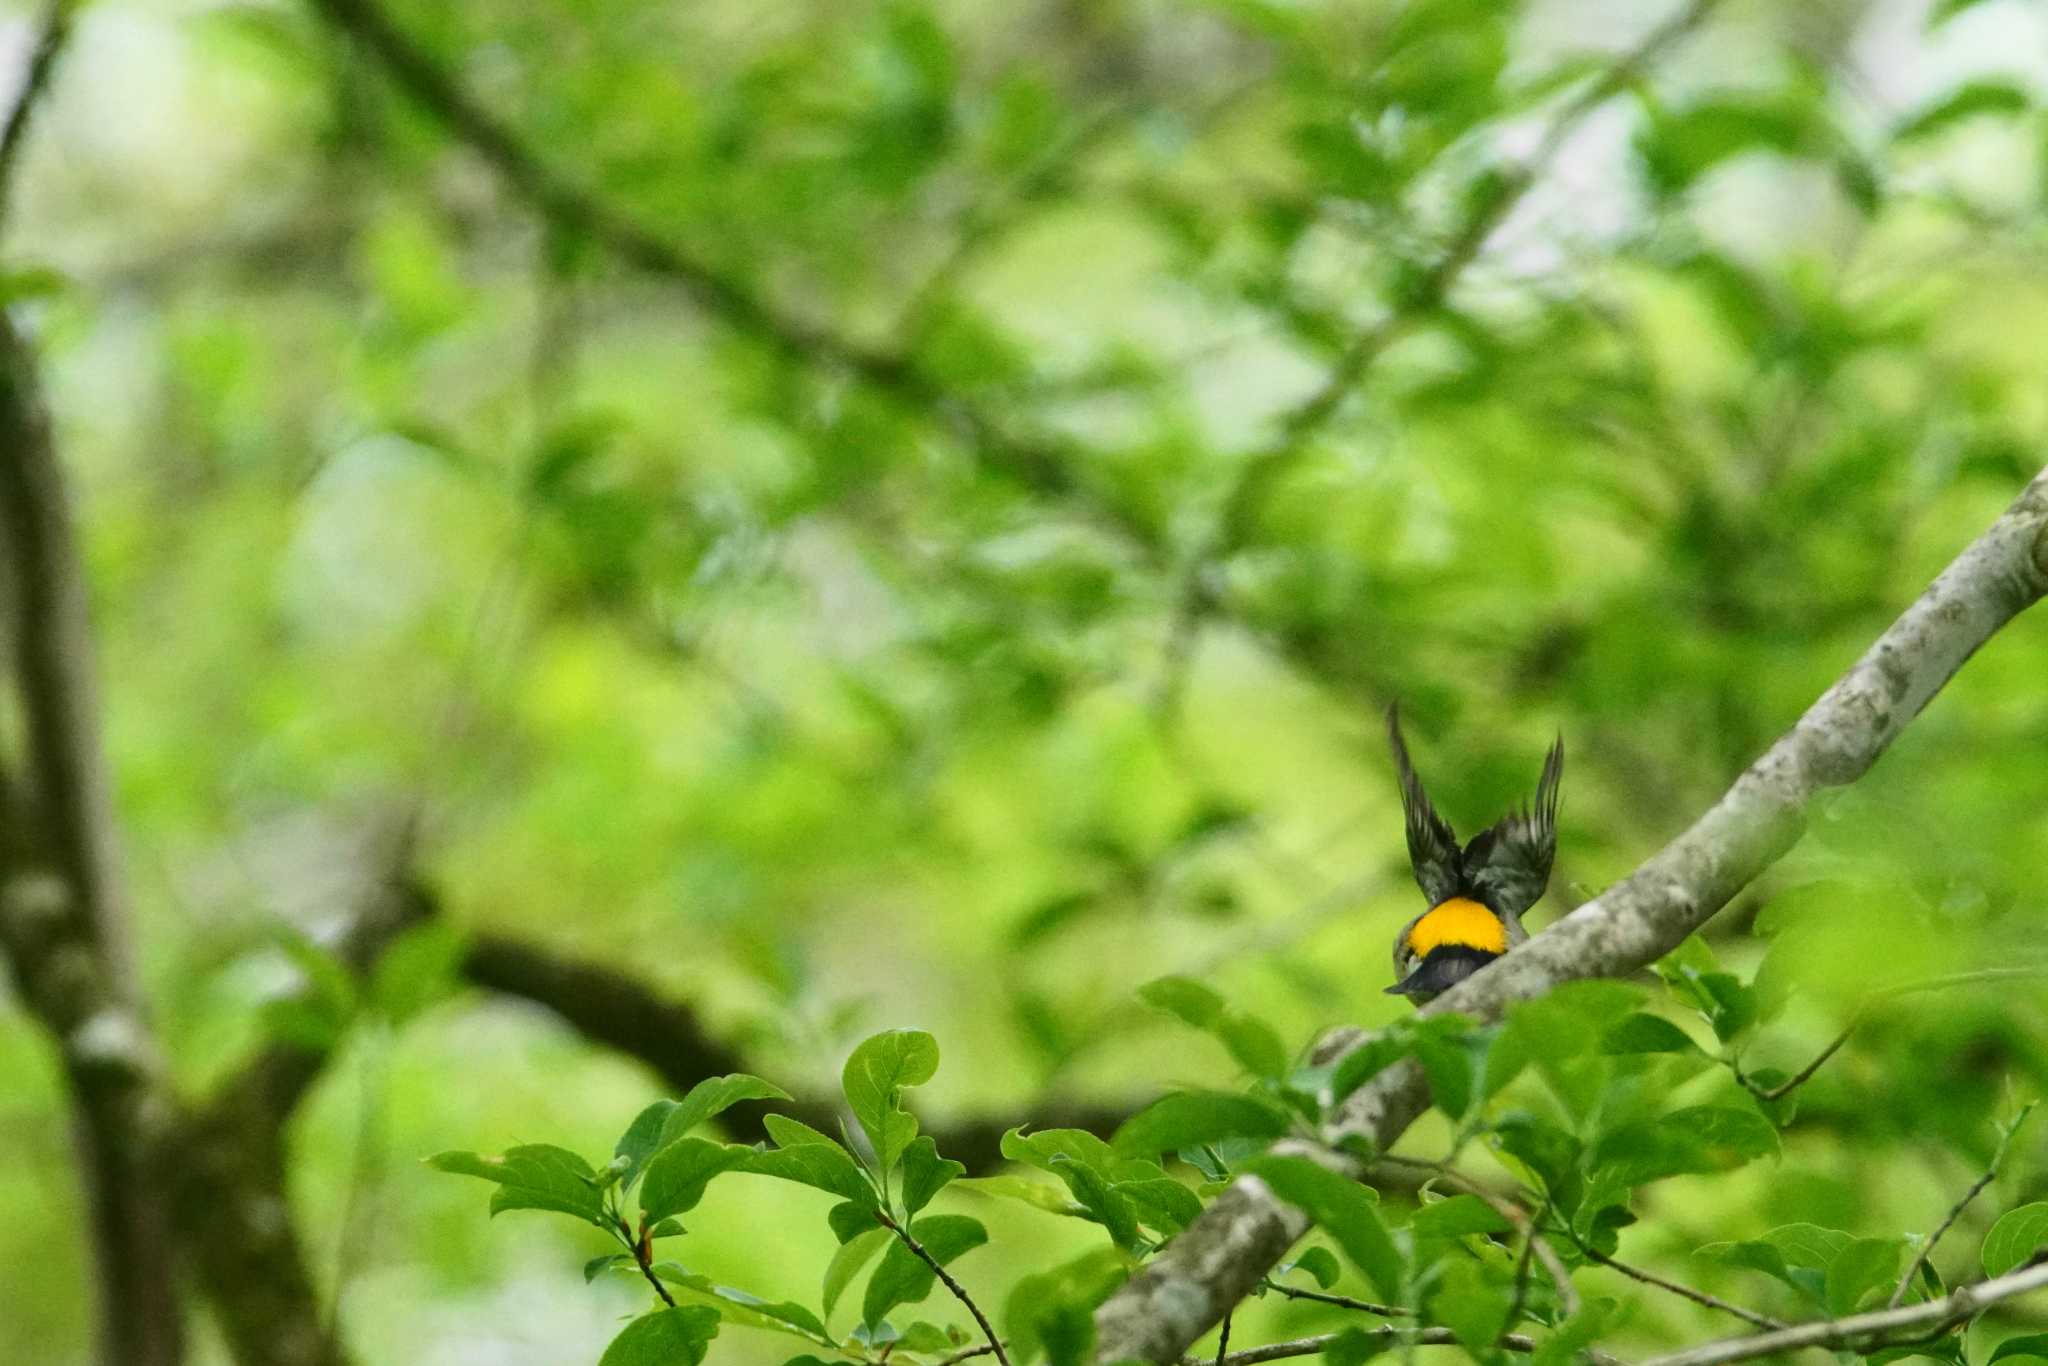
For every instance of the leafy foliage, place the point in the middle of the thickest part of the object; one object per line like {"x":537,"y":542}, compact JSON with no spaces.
{"x":902,"y":512}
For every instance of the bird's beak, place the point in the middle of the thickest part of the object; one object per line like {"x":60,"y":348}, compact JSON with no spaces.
{"x":1409,"y":985}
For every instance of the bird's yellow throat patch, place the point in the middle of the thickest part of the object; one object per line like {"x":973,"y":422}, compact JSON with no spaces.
{"x":1459,"y":921}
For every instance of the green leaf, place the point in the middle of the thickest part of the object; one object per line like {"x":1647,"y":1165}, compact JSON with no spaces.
{"x":847,"y":1262}
{"x":1043,"y":1305}
{"x":738,"y":1306}
{"x":1187,"y":1119}
{"x":666,"y":1337}
{"x":1645,"y":1033}
{"x":2023,"y":1345}
{"x":1163,"y":1204}
{"x":825,"y":1166}
{"x":1043,"y":1148}
{"x":597,"y":1266}
{"x":1471,"y":1305}
{"x":1068,"y":1334}
{"x":1863,"y":1266}
{"x":875,"y":1078}
{"x":2015,"y":1238}
{"x":1251,"y":1041}
{"x":1800,"y":1255}
{"x":1320,"y":1263}
{"x":1342,"y":1208}
{"x":903,"y":1277}
{"x":1751,"y":1254}
{"x":925,"y":1174}
{"x":713,"y":1096}
{"x":1356,"y":1346}
{"x":1369,"y":1059}
{"x":1458,"y":1217}
{"x":1577,"y":1333}
{"x":849,"y":1219}
{"x":794,"y":1133}
{"x":1809,"y":1244}
{"x":1680,"y":147}
{"x":1550,"y":1153}
{"x":677,"y":1177}
{"x":929,"y":1338}
{"x":533,"y":1176}
{"x":1183,"y":996}
{"x":1971,"y":100}
{"x":1455,"y":1064}
{"x":418,"y":970}
{"x":1702,"y":1138}
{"x":1104,"y":1202}
{"x":1039,"y":1194}
{"x":642,"y":1140}
{"x":1941,"y":11}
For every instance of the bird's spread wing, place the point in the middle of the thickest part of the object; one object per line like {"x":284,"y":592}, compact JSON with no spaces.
{"x":1509,"y":864}
{"x":1432,"y":847}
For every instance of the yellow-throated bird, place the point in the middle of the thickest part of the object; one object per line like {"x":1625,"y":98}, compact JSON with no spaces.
{"x":1476,"y":893}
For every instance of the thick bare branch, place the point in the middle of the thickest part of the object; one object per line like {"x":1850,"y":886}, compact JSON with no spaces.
{"x":617,"y":1010}
{"x":1186,"y":1289}
{"x":229,"y":1164}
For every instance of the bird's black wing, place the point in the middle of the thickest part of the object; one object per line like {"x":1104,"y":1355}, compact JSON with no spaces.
{"x":1432,"y":847}
{"x":1508,"y":865}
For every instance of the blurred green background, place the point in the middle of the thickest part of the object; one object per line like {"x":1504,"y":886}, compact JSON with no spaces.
{"x":963,"y":579}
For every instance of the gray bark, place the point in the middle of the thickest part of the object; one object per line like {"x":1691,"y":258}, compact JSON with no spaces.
{"x":1189,"y":1286}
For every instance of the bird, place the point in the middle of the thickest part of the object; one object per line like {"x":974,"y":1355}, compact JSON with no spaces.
{"x":1478,"y":892}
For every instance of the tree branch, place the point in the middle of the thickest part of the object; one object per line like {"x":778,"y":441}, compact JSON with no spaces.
{"x":1034,"y":464}
{"x":1956,"y":1210}
{"x":63,"y":913}
{"x":1678,"y":1288}
{"x":1295,"y":1292}
{"x":1223,"y":1255}
{"x":229,"y":1159}
{"x":52,"y":36}
{"x":1862,"y":1012}
{"x":919,"y":1251}
{"x":1913,"y":1322}
{"x":1384,"y":1337}
{"x":617,"y":1010}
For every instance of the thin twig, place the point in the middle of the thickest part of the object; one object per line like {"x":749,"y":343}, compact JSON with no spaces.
{"x":51,"y":37}
{"x":1956,"y":1210}
{"x":1683,"y":1291}
{"x":1867,"y":1332}
{"x":1862,"y":1012}
{"x":918,"y":1251}
{"x":1295,"y":1292}
{"x":1512,"y":1211}
{"x":980,"y":1349}
{"x":1223,"y":1341}
{"x":643,"y":1257}
{"x":1523,"y":1264}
